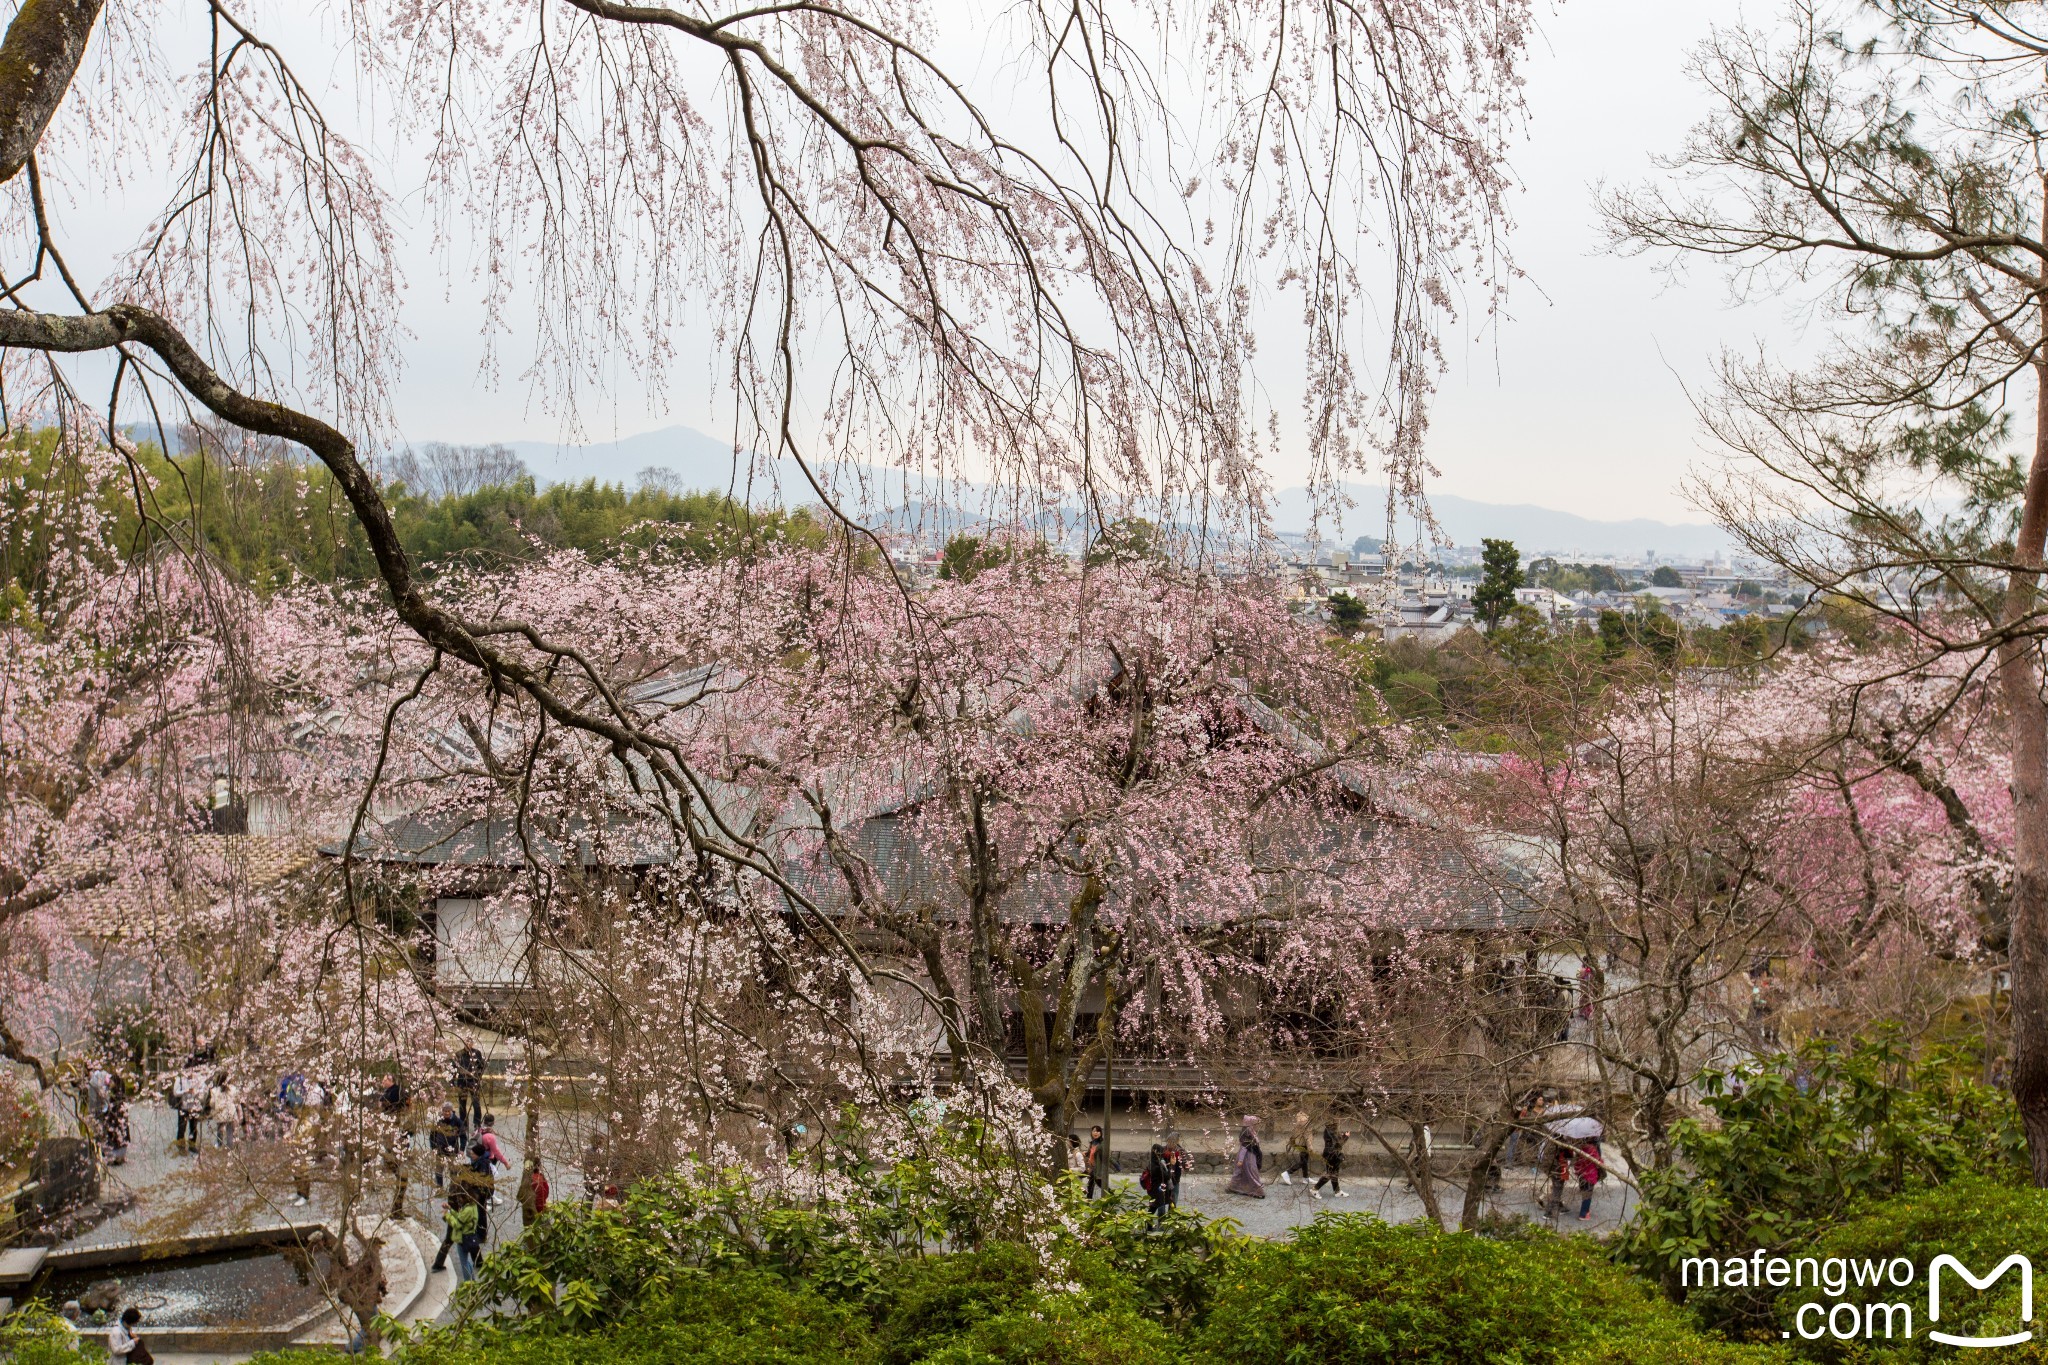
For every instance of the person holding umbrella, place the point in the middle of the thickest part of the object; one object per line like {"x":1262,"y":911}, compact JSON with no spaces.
{"x":1575,"y":1155}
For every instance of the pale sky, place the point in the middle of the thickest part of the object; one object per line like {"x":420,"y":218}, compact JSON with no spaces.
{"x":1578,"y":403}
{"x":1583,"y":405}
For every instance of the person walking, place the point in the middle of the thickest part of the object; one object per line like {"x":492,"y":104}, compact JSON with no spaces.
{"x":227,"y":1112}
{"x":102,"y":1096}
{"x":1579,"y":1164}
{"x":447,"y":1140}
{"x":114,"y":1131}
{"x":1244,"y":1177}
{"x":1589,"y":1169}
{"x":459,"y":1221}
{"x":1158,"y":1182}
{"x":467,"y":1080}
{"x":185,"y":1107}
{"x":488,"y":1136}
{"x":1098,"y":1164}
{"x":1178,"y":1163}
{"x":533,"y":1193}
{"x":1297,"y":1150}
{"x":123,"y":1344}
{"x":1525,"y":1112}
{"x":1333,"y":1160}
{"x":458,"y":1193}
{"x":477,"y":1174}
{"x":1248,"y":1136}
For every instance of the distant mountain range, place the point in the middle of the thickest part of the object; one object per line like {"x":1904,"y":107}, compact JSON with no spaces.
{"x":1535,"y":530}
{"x":701,"y":461}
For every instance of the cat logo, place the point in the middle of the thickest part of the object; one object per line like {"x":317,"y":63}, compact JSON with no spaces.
{"x":2026,"y":1298}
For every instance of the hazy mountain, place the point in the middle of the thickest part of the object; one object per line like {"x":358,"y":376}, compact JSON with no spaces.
{"x":700,"y":461}
{"x":703,"y":461}
{"x":1535,"y":530}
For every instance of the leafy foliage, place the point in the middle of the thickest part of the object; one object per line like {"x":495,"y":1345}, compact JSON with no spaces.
{"x":1800,"y":1140}
{"x":1979,"y":1221}
{"x":273,"y":519}
{"x":1348,"y":615}
{"x":1110,"y":1289}
{"x":1355,"y":1289}
{"x":964,"y":556}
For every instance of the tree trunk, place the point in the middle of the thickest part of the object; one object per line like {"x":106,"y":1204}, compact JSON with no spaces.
{"x":2020,"y":682}
{"x":1424,"y":1170}
{"x":1480,"y":1174}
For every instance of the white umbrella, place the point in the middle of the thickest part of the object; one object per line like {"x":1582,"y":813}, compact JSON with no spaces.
{"x":1585,"y":1126}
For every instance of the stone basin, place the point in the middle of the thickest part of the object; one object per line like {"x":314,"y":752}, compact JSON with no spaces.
{"x":223,"y":1292}
{"x":246,"y":1288}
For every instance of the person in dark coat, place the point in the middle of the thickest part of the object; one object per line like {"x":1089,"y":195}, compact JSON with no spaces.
{"x":1178,"y":1162}
{"x":447,"y":1139}
{"x":1297,"y":1150}
{"x":467,"y":1080}
{"x":1158,"y":1181}
{"x":1333,"y":1160}
{"x":1098,"y":1163}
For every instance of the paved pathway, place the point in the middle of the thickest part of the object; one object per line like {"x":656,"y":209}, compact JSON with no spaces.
{"x":1286,"y":1207}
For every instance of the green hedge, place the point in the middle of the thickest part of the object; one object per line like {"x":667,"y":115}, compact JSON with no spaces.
{"x":1355,"y":1289}
{"x":1978,"y":1221}
{"x":1347,"y":1290}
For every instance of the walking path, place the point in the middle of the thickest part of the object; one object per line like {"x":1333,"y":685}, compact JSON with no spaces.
{"x":1287,"y":1207}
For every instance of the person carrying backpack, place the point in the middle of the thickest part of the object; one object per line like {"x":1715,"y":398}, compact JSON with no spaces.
{"x":1157,"y":1180}
{"x":446,"y":1139}
{"x":462,"y":1221}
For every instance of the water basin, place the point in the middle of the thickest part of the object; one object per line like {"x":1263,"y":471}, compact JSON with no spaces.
{"x":251,"y":1287}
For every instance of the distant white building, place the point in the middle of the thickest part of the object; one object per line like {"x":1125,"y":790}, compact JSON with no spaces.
{"x":1546,"y":603}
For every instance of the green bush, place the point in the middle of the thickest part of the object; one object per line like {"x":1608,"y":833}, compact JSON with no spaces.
{"x":33,"y":1336}
{"x":731,"y":1317}
{"x":1977,"y":1221}
{"x":1805,"y":1139}
{"x":1354,"y":1289}
{"x":1163,"y":1271}
{"x":1060,"y":1332}
{"x":1415,"y":696}
{"x":926,"y":1301}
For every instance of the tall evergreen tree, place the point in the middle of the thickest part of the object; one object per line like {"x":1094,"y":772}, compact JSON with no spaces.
{"x":1503,"y":574}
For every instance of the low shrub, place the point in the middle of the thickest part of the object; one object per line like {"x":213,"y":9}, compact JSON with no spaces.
{"x":1060,"y":1331}
{"x":1801,"y":1140}
{"x":1354,"y":1289}
{"x":1980,"y":1222}
{"x":921,"y":1304}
